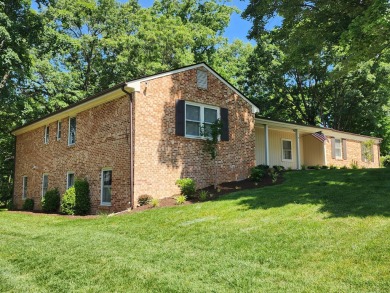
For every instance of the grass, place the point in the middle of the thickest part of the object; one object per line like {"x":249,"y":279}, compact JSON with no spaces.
{"x":320,"y":231}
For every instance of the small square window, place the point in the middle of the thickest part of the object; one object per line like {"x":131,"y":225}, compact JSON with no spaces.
{"x":202,"y":79}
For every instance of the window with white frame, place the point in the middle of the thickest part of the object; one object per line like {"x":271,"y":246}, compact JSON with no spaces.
{"x":69,"y":179}
{"x":106,"y":183}
{"x":286,"y":150}
{"x":198,"y":116}
{"x":72,"y":131}
{"x":46,"y":135}
{"x":24,"y":191}
{"x":59,"y":125}
{"x":45,"y":184}
{"x":201,"y":79}
{"x":338,"y":147}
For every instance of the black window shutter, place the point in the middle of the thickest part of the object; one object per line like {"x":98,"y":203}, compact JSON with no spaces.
{"x":333,"y":148}
{"x":344,"y":149}
{"x":225,"y":124}
{"x":180,"y":116}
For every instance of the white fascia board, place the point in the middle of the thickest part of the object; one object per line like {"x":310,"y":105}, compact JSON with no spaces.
{"x":327,"y":131}
{"x":73,"y":111}
{"x":133,"y":83}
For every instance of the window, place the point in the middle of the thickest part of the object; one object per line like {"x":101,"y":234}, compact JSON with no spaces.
{"x":46,"y":137}
{"x":286,"y":150}
{"x":72,"y":131}
{"x":45,"y":184}
{"x":201,"y":78}
{"x":338,"y":147}
{"x":106,"y":186}
{"x":367,"y":151}
{"x":24,"y":192}
{"x":69,"y":180}
{"x":59,"y":124}
{"x":198,"y":115}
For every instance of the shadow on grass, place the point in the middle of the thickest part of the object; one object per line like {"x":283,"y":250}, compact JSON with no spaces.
{"x":341,"y":193}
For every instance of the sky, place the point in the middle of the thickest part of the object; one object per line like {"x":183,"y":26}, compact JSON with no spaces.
{"x":238,"y":28}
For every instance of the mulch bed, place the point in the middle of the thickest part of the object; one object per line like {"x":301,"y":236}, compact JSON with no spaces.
{"x":223,"y":189}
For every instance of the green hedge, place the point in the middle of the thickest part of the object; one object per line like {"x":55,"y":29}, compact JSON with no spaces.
{"x":51,"y":201}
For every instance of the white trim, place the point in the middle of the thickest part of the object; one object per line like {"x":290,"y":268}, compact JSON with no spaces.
{"x":108,"y":204}
{"x":202,"y":107}
{"x":341,"y":149}
{"x":59,"y":129}
{"x":297,"y":149}
{"x":135,"y":84}
{"x":43,"y":181}
{"x":67,"y":178}
{"x":283,"y":159}
{"x":46,"y":134}
{"x":24,"y":188}
{"x":266,"y":141}
{"x":69,"y":143}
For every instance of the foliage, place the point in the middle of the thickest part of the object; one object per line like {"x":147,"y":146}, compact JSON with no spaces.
{"x":315,"y":69}
{"x":354,"y":165}
{"x":337,"y":222}
{"x":385,"y":161}
{"x":274,"y":174}
{"x":155,"y":202}
{"x":279,"y":168}
{"x":69,"y":201}
{"x":10,"y":205}
{"x":28,"y":204}
{"x":367,"y":149}
{"x":187,"y":186}
{"x":257,"y":174}
{"x":82,"y":200}
{"x":144,"y":199}
{"x":180,"y":199}
{"x":51,"y":201}
{"x":332,"y":167}
{"x":204,"y":195}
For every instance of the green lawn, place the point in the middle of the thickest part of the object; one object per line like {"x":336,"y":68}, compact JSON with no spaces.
{"x":320,"y":231}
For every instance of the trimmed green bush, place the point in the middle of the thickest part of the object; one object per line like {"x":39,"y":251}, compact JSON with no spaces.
{"x":51,"y":201}
{"x":28,"y":204}
{"x":68,"y":201}
{"x":82,"y":201}
{"x":187,"y":186}
{"x":257,"y":173}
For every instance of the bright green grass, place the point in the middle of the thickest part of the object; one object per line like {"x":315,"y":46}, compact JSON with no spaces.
{"x":320,"y":231}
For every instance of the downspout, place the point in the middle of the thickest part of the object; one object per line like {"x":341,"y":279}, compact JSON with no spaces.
{"x":131,"y":148}
{"x":13,"y":174}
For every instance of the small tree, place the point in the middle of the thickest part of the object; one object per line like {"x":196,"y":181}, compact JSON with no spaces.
{"x":212,"y":133}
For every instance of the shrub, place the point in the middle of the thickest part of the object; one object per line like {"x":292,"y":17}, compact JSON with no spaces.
{"x":303,"y":167}
{"x":324,"y":167}
{"x":144,"y":199}
{"x":180,"y":199}
{"x":317,"y":167}
{"x":279,"y":168}
{"x":385,"y":161}
{"x":187,"y":186}
{"x":344,"y":167}
{"x":82,"y":200}
{"x":203,"y":195}
{"x":332,"y":167}
{"x":28,"y":204}
{"x":10,"y":205}
{"x":155,"y":202}
{"x":263,"y":167}
{"x":51,"y":201}
{"x":274,"y":175}
{"x":354,"y":165}
{"x":68,"y":201}
{"x":257,"y":174}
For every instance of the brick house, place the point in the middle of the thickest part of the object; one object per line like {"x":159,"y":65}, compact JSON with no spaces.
{"x":139,"y":137}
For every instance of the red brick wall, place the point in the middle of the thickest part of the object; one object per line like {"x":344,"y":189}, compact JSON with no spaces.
{"x":102,"y":140}
{"x":354,"y":155}
{"x":161,"y":157}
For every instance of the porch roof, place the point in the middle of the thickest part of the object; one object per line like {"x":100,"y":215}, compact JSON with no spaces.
{"x":282,"y":125}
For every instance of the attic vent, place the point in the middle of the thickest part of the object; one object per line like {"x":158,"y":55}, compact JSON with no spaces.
{"x":202,"y":79}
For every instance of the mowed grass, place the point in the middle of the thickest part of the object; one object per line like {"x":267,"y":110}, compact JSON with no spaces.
{"x":320,"y":231}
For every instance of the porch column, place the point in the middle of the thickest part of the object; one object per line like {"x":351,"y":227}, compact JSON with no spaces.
{"x":298,"y":149}
{"x":266,"y":140}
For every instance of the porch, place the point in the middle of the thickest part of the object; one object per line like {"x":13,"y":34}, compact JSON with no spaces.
{"x":287,"y":145}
